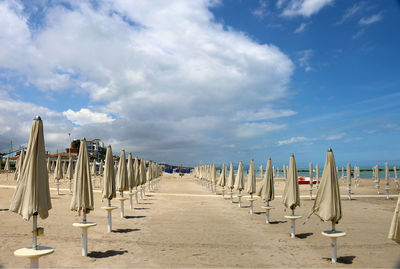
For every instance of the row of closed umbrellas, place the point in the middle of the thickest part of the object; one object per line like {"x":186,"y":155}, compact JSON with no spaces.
{"x":32,"y":194}
{"x":327,"y":203}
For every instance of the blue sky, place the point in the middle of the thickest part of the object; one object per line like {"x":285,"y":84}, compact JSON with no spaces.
{"x":191,"y":82}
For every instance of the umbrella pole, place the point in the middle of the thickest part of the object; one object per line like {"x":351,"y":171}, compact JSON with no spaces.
{"x":130,"y":201}
{"x":122,"y":205}
{"x":231,"y":197}
{"x":215,"y":188}
{"x":223,"y":192}
{"x":251,"y":204}
{"x":136,"y":196}
{"x":58,"y":186}
{"x":334,"y":248}
{"x":109,"y":217}
{"x":267,"y":218}
{"x":34,"y":262}
{"x":240,"y":199}
{"x":84,"y":237}
{"x":293,"y":226}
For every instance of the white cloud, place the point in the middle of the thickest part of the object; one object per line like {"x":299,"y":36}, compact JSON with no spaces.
{"x":301,"y":27}
{"x":261,"y":11}
{"x":167,"y":70}
{"x":370,"y":20}
{"x":304,"y":8}
{"x":303,"y":58}
{"x":257,"y":129}
{"x":352,"y":11}
{"x":335,"y":136}
{"x":293,"y":140}
{"x":263,"y":114}
{"x":85,"y":116}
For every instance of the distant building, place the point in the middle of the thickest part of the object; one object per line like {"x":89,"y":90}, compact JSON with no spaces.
{"x":96,"y":149}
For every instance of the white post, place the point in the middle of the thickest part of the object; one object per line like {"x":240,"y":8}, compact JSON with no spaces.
{"x":251,"y":204}
{"x":293,"y":226}
{"x":231,"y":197}
{"x":334,"y":249}
{"x":130,"y":201}
{"x":240,"y":200}
{"x":136,"y":196}
{"x":215,"y":188}
{"x":122,"y":205}
{"x":58,"y":187}
{"x":267,"y":214}
{"x":109,"y":216}
{"x":34,"y":263}
{"x":70,"y":186}
{"x":84,"y":237}
{"x":34,"y":238}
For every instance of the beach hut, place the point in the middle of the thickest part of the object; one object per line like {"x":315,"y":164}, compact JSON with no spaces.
{"x":327,"y":205}
{"x":109,"y":189}
{"x":291,"y":194}
{"x":231,"y":181}
{"x":121,"y":179}
{"x":266,"y":190}
{"x":251,"y":185}
{"x":82,"y":196}
{"x":32,"y":194}
{"x":239,"y":183}
{"x":58,"y":173}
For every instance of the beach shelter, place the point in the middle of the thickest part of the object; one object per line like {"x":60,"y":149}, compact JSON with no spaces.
{"x":327,"y":205}
{"x":311,"y":175}
{"x":121,"y":180}
{"x":239,"y":182}
{"x":82,"y":195}
{"x":109,"y":189}
{"x":266,"y":190}
{"x":131,"y":178}
{"x":20,"y":163}
{"x":32,"y":193}
{"x":251,"y":184}
{"x":7,"y":166}
{"x":291,"y":194}
{"x":348,"y":171}
{"x":70,"y":173}
{"x":58,"y":173}
{"x":394,"y":231}
{"x":231,"y":181}
{"x":222,"y":180}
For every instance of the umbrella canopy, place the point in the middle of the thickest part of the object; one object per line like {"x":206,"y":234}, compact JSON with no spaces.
{"x":82,"y":197}
{"x":7,"y":165}
{"x":261,"y":171}
{"x":222,"y":177}
{"x":231,"y":177}
{"x":52,"y":166}
{"x":94,"y":168}
{"x":109,"y":190}
{"x":148,"y":173}
{"x":327,"y":205}
{"x":266,"y":192}
{"x":394,"y":232}
{"x":101,"y":167}
{"x":142,"y":172}
{"x":32,"y":193}
{"x":70,"y":170}
{"x":213,"y":174}
{"x":58,"y":173}
{"x":387,"y":174}
{"x":131,"y":172}
{"x":20,"y":163}
{"x":291,"y":196}
{"x":121,"y":178}
{"x":311,"y":174}
{"x":136,"y":172}
{"x":239,"y":181}
{"x":64,"y":167}
{"x":48,"y":165}
{"x":251,"y":179}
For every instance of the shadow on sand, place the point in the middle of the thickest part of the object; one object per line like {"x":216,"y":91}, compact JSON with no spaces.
{"x":134,"y":217}
{"x":304,"y":235}
{"x":141,"y":208}
{"x":106,"y":254}
{"x":124,"y":231}
{"x":277,"y":221}
{"x":3,"y":209}
{"x":343,"y":259}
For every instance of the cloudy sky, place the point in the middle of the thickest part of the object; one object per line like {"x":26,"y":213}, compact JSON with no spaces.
{"x":199,"y":81}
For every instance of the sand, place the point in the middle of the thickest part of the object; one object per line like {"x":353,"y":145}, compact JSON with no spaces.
{"x":182,"y":224}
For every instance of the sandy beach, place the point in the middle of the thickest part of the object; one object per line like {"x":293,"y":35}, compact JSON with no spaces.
{"x":182,"y":224}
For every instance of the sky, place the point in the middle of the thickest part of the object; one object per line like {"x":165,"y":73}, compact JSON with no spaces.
{"x":201,"y":81}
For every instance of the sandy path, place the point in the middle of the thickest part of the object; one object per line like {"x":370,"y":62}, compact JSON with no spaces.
{"x":183,"y":225}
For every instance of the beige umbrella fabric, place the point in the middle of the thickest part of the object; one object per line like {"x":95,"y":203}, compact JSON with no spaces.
{"x":7,"y":164}
{"x":48,"y":165}
{"x":109,"y":189}
{"x":32,"y":193}
{"x":52,"y":166}
{"x":121,"y":179}
{"x":266,"y":191}
{"x":131,"y":174}
{"x":20,"y":163}
{"x":82,"y":197}
{"x":261,"y":171}
{"x":394,"y":232}
{"x":251,"y":179}
{"x":70,"y":169}
{"x":327,"y":205}
{"x":64,"y":167}
{"x":94,"y":168}
{"x":239,"y":181}
{"x":231,"y":177}
{"x":101,"y":169}
{"x":291,"y":196}
{"x":142,"y":172}
{"x":222,"y":177}
{"x":58,"y":173}
{"x":136,"y":171}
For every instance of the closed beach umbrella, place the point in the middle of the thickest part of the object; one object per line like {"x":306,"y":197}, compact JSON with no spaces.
{"x":387,"y":179}
{"x":394,"y":232}
{"x":121,"y":180}
{"x":94,"y":168}
{"x":101,"y":169}
{"x":266,"y":190}
{"x":32,"y":193}
{"x":291,"y":196}
{"x":214,"y":178}
{"x":222,"y":176}
{"x":109,"y":189}
{"x":251,"y":184}
{"x":317,"y":174}
{"x":310,"y":170}
{"x":261,"y":171}
{"x":231,"y":180}
{"x":327,"y":205}
{"x":239,"y":182}
{"x":64,"y":167}
{"x":377,"y":178}
{"x":142,"y":175}
{"x":20,"y":163}
{"x":7,"y":166}
{"x":70,"y":173}
{"x":131,"y":178}
{"x":52,"y":166}
{"x":48,"y":165}
{"x":82,"y":196}
{"x":349,"y":180}
{"x":58,"y":173}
